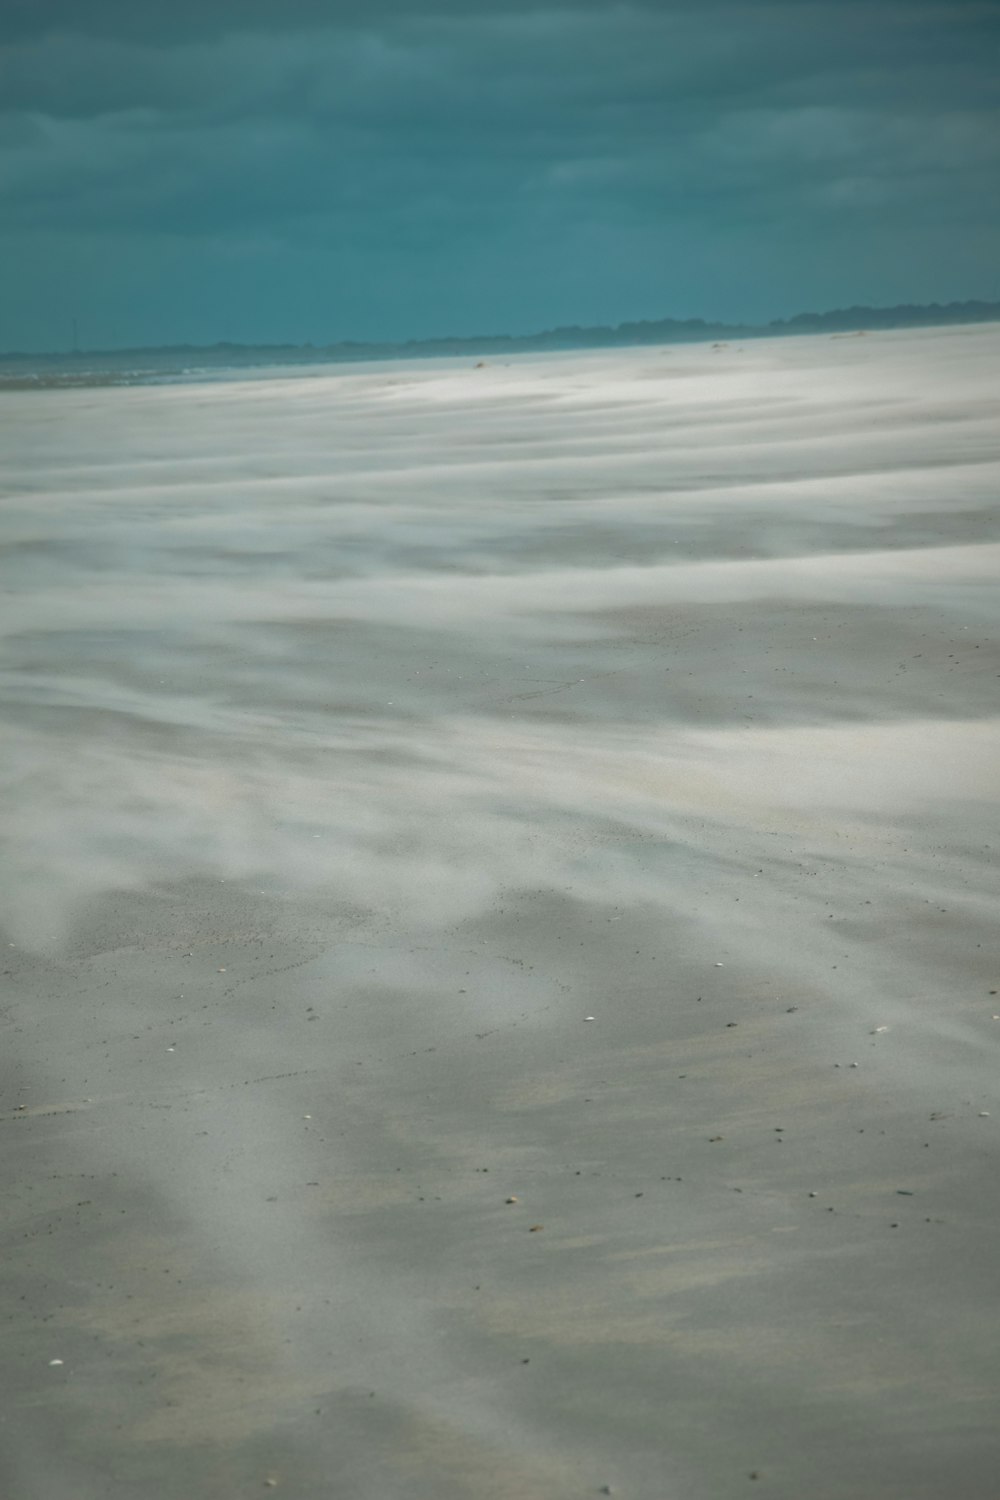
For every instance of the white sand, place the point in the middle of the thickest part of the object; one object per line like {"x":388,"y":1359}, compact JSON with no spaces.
{"x":444,"y":707}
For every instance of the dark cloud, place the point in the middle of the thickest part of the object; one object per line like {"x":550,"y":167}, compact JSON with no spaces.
{"x":690,"y":144}
{"x":149,"y":20}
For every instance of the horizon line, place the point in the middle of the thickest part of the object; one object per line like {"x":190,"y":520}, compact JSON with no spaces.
{"x":577,"y":330}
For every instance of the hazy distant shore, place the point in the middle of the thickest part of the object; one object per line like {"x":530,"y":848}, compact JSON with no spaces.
{"x":140,"y":366}
{"x":500,"y":926}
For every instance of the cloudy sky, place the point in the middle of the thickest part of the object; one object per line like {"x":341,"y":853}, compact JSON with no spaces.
{"x":324,"y":169}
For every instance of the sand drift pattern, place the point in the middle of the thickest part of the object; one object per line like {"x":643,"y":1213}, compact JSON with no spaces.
{"x":367,"y":633}
{"x":367,"y":733}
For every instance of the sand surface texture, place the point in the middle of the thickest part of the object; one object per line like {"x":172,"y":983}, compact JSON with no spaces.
{"x":570,"y":782}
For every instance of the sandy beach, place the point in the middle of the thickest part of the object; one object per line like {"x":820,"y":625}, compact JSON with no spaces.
{"x":499,"y":924}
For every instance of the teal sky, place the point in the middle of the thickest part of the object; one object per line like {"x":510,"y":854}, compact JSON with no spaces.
{"x":234,"y":169}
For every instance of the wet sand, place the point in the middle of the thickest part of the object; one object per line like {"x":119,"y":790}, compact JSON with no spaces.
{"x":571,"y":781}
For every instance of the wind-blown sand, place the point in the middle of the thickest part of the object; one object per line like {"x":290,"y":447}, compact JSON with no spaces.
{"x":365,"y":734}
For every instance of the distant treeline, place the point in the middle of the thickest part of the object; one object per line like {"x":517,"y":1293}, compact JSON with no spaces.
{"x":173,"y":357}
{"x":905,"y":315}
